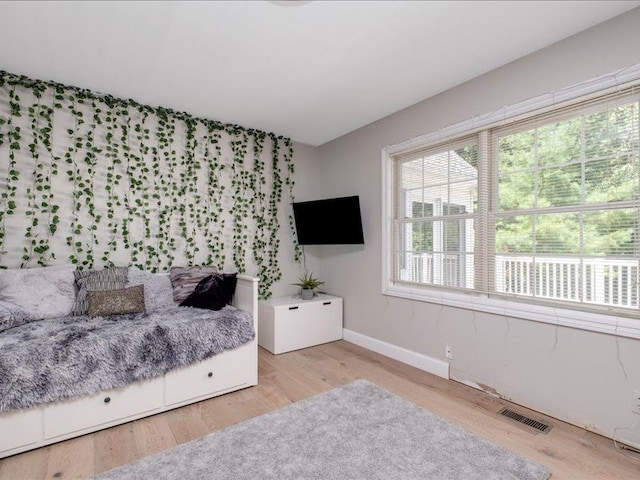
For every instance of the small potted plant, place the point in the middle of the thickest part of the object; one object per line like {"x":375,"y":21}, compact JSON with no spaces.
{"x":308,"y":285}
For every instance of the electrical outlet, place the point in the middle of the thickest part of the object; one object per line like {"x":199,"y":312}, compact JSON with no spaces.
{"x":635,"y":402}
{"x":448,"y":352}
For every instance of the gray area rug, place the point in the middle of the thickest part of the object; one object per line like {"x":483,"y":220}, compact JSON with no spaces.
{"x":357,"y":431}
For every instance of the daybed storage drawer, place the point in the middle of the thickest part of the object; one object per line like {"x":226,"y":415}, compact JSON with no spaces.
{"x":226,"y":370}
{"x":20,"y":428}
{"x":102,"y":408}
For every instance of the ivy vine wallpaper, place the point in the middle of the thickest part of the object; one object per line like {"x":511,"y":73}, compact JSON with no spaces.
{"x":96,"y":181}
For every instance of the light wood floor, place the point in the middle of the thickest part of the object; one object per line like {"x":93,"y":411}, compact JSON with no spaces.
{"x":569,"y":452}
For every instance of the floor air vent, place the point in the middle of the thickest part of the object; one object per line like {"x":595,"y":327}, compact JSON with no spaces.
{"x":530,"y":422}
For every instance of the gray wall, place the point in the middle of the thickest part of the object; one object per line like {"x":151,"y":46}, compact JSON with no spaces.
{"x":583,"y":377}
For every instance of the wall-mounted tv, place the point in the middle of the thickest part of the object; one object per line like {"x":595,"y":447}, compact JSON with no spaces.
{"x":332,"y":221}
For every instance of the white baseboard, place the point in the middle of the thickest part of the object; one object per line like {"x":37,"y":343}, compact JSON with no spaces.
{"x":418,"y":360}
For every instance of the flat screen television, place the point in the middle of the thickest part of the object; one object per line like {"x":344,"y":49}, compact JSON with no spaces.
{"x":332,"y":221}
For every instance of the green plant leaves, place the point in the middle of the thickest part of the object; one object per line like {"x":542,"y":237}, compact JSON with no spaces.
{"x":97,"y":179}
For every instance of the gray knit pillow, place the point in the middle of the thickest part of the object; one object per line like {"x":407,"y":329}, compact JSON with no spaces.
{"x":158,"y":292}
{"x":113,"y":278}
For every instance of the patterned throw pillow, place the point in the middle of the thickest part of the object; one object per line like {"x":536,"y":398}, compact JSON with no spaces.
{"x":185,"y":279}
{"x":158,"y":292}
{"x":102,"y":303}
{"x":213,"y":292}
{"x":43,"y":292}
{"x":87,"y":280}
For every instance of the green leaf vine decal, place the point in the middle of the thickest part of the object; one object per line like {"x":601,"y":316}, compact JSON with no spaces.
{"x":215,"y":193}
{"x":91,"y":156}
{"x":96,"y":180}
{"x":163,"y":191}
{"x":13,"y":136}
{"x":113,"y":159}
{"x":175,"y":202}
{"x":240,"y":209}
{"x":5,"y":203}
{"x":194,"y":221}
{"x":272,"y":274}
{"x":289,"y":182}
{"x":138,"y":172}
{"x":75,"y":180}
{"x":45,"y":137}
{"x":257,"y":185}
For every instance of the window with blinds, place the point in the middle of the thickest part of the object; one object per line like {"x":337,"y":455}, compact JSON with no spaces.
{"x":544,"y":209}
{"x":565,"y":206}
{"x":436,"y":207}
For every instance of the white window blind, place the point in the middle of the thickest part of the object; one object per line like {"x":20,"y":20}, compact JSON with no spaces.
{"x":545,"y":209}
{"x":566,"y":203}
{"x":435,"y":215}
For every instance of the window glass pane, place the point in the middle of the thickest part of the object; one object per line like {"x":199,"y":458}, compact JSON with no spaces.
{"x":517,"y":191}
{"x":591,"y":158}
{"x":437,"y":252}
{"x":557,"y":233}
{"x":453,"y":232}
{"x":611,"y":232}
{"x":560,"y":186}
{"x":611,"y":153}
{"x":441,"y":179}
{"x":514,"y":234}
{"x":579,"y":255}
{"x":559,"y":143}
{"x":516,"y":151}
{"x":443,"y":184}
{"x":612,"y":179}
{"x":612,"y":133}
{"x":421,"y":237}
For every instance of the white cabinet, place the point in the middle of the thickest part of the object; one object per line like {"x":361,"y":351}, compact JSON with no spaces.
{"x":290,"y":323}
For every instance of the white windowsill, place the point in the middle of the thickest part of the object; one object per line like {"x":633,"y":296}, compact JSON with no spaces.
{"x":594,"y":322}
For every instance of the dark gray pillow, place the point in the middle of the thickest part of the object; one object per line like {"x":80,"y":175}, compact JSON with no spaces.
{"x":102,"y":303}
{"x":213,"y":292}
{"x":185,"y":279}
{"x":112,"y":278}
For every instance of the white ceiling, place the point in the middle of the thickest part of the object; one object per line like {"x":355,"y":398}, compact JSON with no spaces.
{"x":312,"y":72}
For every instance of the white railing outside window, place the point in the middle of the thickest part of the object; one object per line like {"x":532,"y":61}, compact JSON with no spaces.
{"x":446,"y":269}
{"x":597,"y":281}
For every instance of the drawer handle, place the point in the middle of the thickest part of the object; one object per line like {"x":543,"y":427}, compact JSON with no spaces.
{"x":210,"y":374}
{"x":326,"y":303}
{"x":107,"y":399}
{"x":293,"y":308}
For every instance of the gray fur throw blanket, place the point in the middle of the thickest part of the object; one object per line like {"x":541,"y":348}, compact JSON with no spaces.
{"x":61,"y":358}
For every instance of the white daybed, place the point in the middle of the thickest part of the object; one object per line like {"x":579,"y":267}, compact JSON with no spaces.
{"x":26,"y":429}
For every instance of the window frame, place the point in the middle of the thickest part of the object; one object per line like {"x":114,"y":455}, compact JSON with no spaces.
{"x":522,"y":307}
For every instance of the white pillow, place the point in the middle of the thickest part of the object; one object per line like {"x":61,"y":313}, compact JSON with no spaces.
{"x":158,"y":292}
{"x":43,"y":292}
